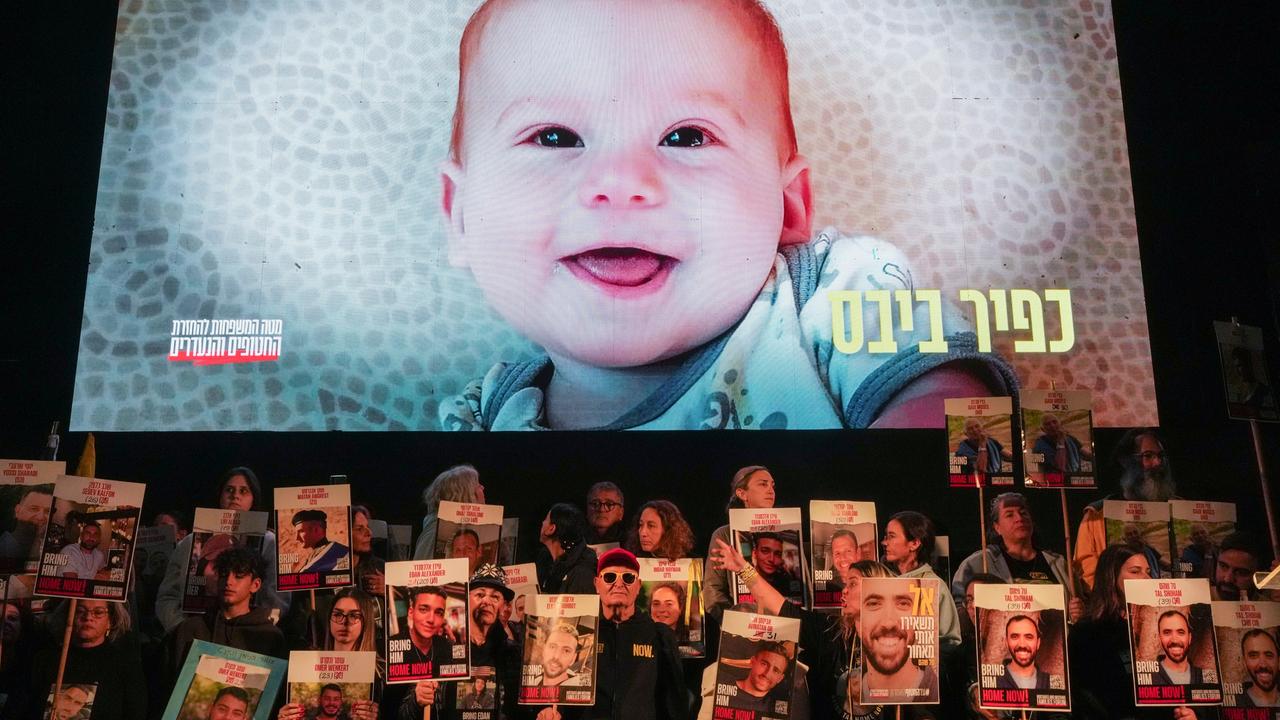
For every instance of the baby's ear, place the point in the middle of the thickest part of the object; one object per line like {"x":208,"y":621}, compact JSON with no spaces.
{"x":451,"y":177}
{"x":797,"y":202}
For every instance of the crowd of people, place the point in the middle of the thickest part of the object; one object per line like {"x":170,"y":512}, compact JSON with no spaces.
{"x":130,"y":653}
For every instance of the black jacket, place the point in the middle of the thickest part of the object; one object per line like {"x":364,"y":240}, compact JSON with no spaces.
{"x":638,"y":673}
{"x":573,"y":573}
{"x":114,"y":666}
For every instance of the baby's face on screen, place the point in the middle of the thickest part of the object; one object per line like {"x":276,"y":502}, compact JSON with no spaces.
{"x":619,"y":195}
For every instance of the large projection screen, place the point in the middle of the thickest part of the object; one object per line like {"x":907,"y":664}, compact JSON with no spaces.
{"x":270,"y":250}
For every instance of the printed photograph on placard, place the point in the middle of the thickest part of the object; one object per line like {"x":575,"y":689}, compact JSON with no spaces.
{"x":1175,"y":657}
{"x":224,"y":683}
{"x":523,"y":581}
{"x":898,"y":629}
{"x":755,"y":672}
{"x":841,"y":532}
{"x":980,"y":440}
{"x":1250,"y":394}
{"x":507,"y":544}
{"x":1198,"y":529}
{"x":559,"y":662}
{"x":1248,"y":636}
{"x":469,"y":530}
{"x":328,"y":684}
{"x":426,"y":620}
{"x":771,"y":540}
{"x":93,"y":557}
{"x":71,"y":701}
{"x":1022,"y":647}
{"x":1057,"y":438}
{"x":26,"y":501}
{"x":215,"y":531}
{"x":671,"y":594}
{"x":1143,"y":523}
{"x":313,"y":532}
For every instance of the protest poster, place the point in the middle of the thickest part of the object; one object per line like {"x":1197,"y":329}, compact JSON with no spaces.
{"x":507,"y":544}
{"x":559,"y":661}
{"x":1247,"y":634}
{"x":213,"y":532}
{"x":223,"y":682}
{"x":26,"y":501}
{"x":1250,"y":395}
{"x":523,"y":581}
{"x":313,"y":533}
{"x":92,"y":558}
{"x":899,"y":635}
{"x":1199,"y":527}
{"x":671,"y":594}
{"x":755,"y":672}
{"x":771,"y":540}
{"x":1057,"y":438}
{"x":426,"y":620}
{"x":980,"y":445}
{"x":1144,"y":523}
{"x":469,"y":530}
{"x":1175,"y":658}
{"x":841,"y":533}
{"x":328,"y":683}
{"x":1022,"y":647}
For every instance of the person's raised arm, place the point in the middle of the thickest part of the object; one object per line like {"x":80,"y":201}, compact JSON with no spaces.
{"x":726,"y":557}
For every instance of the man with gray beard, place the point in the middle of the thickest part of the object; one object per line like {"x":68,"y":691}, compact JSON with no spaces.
{"x":1145,"y":476}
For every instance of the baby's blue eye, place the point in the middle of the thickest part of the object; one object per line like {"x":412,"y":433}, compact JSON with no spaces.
{"x":685,"y":137}
{"x":557,"y":137}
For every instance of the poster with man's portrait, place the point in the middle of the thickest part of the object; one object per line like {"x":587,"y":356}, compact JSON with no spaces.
{"x":559,"y":662}
{"x":755,"y":672}
{"x":1142,"y":523}
{"x":1199,"y":527}
{"x":70,"y":701}
{"x":1057,"y":438}
{"x":507,"y":543}
{"x":1022,"y":647}
{"x":469,"y":530}
{"x":92,"y":559}
{"x":671,"y":594}
{"x":1250,"y":395}
{"x":313,"y":535}
{"x":899,"y":634}
{"x":215,"y":531}
{"x":771,"y":539}
{"x":225,"y":683}
{"x":841,"y":532}
{"x":1248,"y":636}
{"x":523,"y":581}
{"x":26,"y":501}
{"x":980,"y":441}
{"x":1175,"y":656}
{"x":328,"y":683}
{"x":427,"y":620}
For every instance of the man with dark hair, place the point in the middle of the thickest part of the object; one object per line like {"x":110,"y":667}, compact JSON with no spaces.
{"x":323,"y":555}
{"x":71,"y":701}
{"x":425,"y":630}
{"x":30,"y":518}
{"x":1238,"y":558}
{"x":1174,"y":632}
{"x":329,"y":705}
{"x":768,"y":668}
{"x":767,"y":556}
{"x":605,"y":509}
{"x":566,"y":564}
{"x":466,"y":544}
{"x":1258,"y":649}
{"x":1022,"y":639}
{"x":231,"y":703}
{"x":83,"y":559}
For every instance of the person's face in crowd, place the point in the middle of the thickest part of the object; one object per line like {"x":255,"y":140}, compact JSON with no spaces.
{"x":486,"y":604}
{"x":310,"y":533}
{"x":1175,"y":637}
{"x":1259,"y":653}
{"x":547,"y":529}
{"x":886,"y":641}
{"x":759,"y":491}
{"x":1135,"y":568}
{"x":664,"y":607}
{"x":236,"y":494}
{"x":604,"y":509}
{"x":766,"y":671}
{"x":851,"y":595}
{"x":558,"y":654}
{"x":766,"y":555}
{"x":171,"y":521}
{"x":619,"y":593}
{"x":1013,"y":523}
{"x":90,"y":536}
{"x":426,"y":616}
{"x":897,"y":546}
{"x":649,"y":530}
{"x":1148,"y":479}
{"x":69,"y":703}
{"x":237,"y":587}
{"x":465,"y":545}
{"x":346,"y":621}
{"x":1051,"y":426}
{"x":970,"y":609}
{"x":1023,"y":641}
{"x":330,"y":702}
{"x":1233,"y":574}
{"x":12,"y":624}
{"x":844,"y":552}
{"x":34,"y":509}
{"x":229,"y":707}
{"x":1150,"y":454}
{"x":974,"y":431}
{"x":361,"y":534}
{"x":92,"y":622}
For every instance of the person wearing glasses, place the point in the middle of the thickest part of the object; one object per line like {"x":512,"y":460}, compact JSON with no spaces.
{"x":605,"y":507}
{"x":351,"y":628}
{"x":638,"y":675}
{"x":104,"y":656}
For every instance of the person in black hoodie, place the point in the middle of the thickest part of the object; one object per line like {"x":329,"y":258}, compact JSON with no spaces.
{"x":568,"y":565}
{"x":103,"y":660}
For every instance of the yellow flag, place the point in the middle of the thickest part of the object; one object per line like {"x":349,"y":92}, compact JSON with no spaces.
{"x":88,"y":459}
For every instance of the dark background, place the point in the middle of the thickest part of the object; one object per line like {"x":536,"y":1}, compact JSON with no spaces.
{"x":1201,"y":88}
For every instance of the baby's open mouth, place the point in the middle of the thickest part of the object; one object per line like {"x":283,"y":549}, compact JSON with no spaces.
{"x":622,"y":267}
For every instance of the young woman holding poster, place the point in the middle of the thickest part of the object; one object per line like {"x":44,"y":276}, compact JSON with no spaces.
{"x":351,"y":627}
{"x":751,"y":487}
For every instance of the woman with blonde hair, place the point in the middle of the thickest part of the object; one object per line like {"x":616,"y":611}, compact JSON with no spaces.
{"x":460,"y":483}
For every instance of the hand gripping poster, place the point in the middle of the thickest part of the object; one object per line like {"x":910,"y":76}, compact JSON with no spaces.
{"x":313,"y":532}
{"x":331,"y":684}
{"x":559,"y":663}
{"x":1199,"y":527}
{"x":469,"y":530}
{"x":841,"y":533}
{"x":671,"y":594}
{"x":1175,"y":658}
{"x":92,"y":558}
{"x":1144,"y":523}
{"x":771,"y":540}
{"x":899,"y":634}
{"x":980,"y":441}
{"x":26,"y":502}
{"x":1248,"y":635}
{"x":1022,"y":647}
{"x":1057,"y":438}
{"x":214,"y":532}
{"x":426,"y":623}
{"x":222,"y":682}
{"x":755,"y":672}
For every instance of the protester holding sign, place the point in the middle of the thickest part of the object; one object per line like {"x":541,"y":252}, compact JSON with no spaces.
{"x":752,"y":487}
{"x":103,"y":661}
{"x":908,"y":543}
